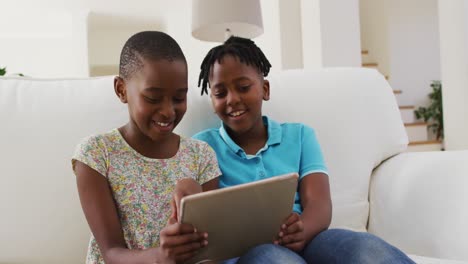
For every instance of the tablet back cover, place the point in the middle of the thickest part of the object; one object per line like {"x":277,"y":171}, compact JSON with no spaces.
{"x":240,"y":217}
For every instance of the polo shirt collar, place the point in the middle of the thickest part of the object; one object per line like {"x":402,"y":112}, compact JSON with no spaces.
{"x":274,"y":131}
{"x":274,"y":134}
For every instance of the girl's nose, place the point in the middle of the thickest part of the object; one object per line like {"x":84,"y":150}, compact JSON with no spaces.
{"x":167,"y":109}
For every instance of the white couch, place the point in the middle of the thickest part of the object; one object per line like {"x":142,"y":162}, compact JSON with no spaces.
{"x":416,"y":201}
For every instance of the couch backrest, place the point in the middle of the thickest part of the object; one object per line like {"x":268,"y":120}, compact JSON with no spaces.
{"x":41,"y":123}
{"x":352,"y":110}
{"x":358,"y":124}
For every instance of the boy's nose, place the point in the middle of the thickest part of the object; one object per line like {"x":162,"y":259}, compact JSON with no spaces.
{"x":233,"y":98}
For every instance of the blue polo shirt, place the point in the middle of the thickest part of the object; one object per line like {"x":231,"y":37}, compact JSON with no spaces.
{"x":291,"y":147}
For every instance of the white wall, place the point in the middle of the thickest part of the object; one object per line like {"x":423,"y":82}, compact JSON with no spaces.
{"x":106,"y":36}
{"x":341,"y":43}
{"x":291,"y":34}
{"x":41,"y":41}
{"x":414,"y":48}
{"x":331,"y":33}
{"x":311,"y":34}
{"x":453,"y":18}
{"x":402,"y":36}
{"x":374,"y":32}
{"x":37,"y":54}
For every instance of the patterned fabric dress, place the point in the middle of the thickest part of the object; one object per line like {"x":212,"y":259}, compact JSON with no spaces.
{"x":142,"y":187}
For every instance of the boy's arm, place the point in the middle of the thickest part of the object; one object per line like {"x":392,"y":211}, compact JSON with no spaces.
{"x":297,"y":230}
{"x":101,"y":214}
{"x":211,"y":184}
{"x":314,"y":190}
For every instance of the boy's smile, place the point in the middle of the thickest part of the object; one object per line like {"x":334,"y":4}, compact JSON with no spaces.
{"x":237,"y":93}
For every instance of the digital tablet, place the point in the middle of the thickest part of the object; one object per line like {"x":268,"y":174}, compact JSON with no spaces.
{"x":240,"y":217}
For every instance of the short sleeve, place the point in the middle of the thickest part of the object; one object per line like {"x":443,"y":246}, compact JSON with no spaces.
{"x":92,"y":152}
{"x":312,"y":160}
{"x":208,"y":167}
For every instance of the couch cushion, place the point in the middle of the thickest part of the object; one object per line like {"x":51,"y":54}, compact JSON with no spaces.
{"x":427,"y":260}
{"x":42,"y":121}
{"x":418,"y":203}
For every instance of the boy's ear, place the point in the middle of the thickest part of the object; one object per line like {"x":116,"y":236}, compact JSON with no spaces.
{"x":120,"y":89}
{"x":266,"y":90}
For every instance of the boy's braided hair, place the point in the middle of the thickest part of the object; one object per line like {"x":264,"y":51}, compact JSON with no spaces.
{"x":243,"y":49}
{"x":147,"y":45}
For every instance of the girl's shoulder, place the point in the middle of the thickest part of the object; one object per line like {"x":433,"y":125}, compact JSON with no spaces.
{"x":101,"y":140}
{"x":195,"y":145}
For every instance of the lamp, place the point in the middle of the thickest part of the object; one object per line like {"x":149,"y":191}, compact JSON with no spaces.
{"x":217,"y":20}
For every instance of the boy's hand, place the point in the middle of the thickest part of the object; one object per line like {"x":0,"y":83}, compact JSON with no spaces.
{"x":291,"y":234}
{"x":183,"y":188}
{"x":180,"y":242}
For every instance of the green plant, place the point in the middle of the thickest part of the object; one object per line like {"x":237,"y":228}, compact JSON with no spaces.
{"x":434,"y":111}
{"x":3,"y":72}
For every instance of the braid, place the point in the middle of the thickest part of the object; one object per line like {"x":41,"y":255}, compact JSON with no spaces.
{"x":243,"y":49}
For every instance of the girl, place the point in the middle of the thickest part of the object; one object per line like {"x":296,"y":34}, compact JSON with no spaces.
{"x":126,"y":177}
{"x":250,"y":147}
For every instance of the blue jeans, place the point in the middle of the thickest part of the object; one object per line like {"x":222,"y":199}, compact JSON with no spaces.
{"x":330,"y":246}
{"x":267,"y":253}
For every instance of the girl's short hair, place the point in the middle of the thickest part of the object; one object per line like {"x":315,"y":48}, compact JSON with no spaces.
{"x":147,"y":45}
{"x":243,"y":49}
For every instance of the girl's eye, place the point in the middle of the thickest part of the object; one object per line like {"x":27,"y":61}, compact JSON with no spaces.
{"x":179,"y":99}
{"x":152,"y":100}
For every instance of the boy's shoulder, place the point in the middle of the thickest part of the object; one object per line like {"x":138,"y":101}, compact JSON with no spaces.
{"x":291,"y":126}
{"x":207,"y":134}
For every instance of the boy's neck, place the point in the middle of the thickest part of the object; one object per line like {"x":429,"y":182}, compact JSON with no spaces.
{"x":253,"y":140}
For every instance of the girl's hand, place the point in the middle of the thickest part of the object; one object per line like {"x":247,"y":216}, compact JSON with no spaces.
{"x":291,"y":234}
{"x":183,"y":188}
{"x":179,"y":242}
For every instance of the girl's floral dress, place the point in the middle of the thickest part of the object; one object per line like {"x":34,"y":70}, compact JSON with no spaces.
{"x":142,"y":187}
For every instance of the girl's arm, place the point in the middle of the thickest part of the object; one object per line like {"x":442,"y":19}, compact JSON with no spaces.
{"x":297,"y":231}
{"x":189,"y":186}
{"x":101,"y":214}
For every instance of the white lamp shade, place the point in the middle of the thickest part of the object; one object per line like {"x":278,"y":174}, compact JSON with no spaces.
{"x":211,"y":19}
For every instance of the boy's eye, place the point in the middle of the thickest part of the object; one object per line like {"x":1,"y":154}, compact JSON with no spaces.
{"x":219,"y":93}
{"x":244,"y":88}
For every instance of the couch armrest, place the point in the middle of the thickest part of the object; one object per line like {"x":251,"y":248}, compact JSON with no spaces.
{"x":419,"y":203}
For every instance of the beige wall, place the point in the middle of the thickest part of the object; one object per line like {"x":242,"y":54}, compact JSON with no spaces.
{"x":453,"y":16}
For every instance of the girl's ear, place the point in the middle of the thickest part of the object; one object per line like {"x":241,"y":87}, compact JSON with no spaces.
{"x":266,"y":90}
{"x":120,"y":89}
